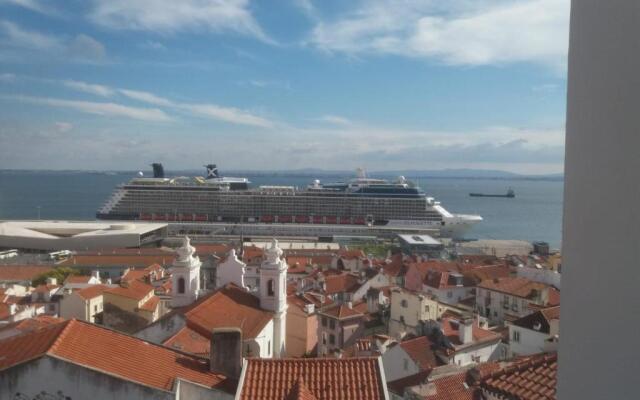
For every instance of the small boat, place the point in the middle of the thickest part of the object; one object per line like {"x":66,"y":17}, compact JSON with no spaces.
{"x":510,"y":194}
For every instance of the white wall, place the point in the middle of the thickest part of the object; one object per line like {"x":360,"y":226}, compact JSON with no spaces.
{"x":52,"y":375}
{"x":466,"y":356}
{"x":546,"y":276}
{"x":602,"y":197}
{"x":394,"y":361}
{"x":530,"y":342}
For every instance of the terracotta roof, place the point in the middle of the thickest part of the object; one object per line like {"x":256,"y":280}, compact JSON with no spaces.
{"x":351,"y":254}
{"x":301,"y":300}
{"x":135,"y":275}
{"x":91,"y":291}
{"x":521,"y":287}
{"x":77,"y":279}
{"x":229,"y":306}
{"x":32,"y":324}
{"x":300,"y":391}
{"x":134,"y":290}
{"x":420,"y":351}
{"x":151,"y":305}
{"x":349,"y":378}
{"x":535,"y":378}
{"x":190,"y":341}
{"x":340,"y":283}
{"x":342,"y":311}
{"x":399,"y":385}
{"x":451,"y":329}
{"x":15,"y":273}
{"x":211,"y":248}
{"x":540,"y":319}
{"x":111,"y":352}
{"x":5,"y":311}
{"x":120,"y":260}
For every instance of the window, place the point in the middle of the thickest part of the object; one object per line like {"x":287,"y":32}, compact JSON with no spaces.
{"x":95,"y":308}
{"x":332,"y":324}
{"x":406,"y":364}
{"x":269,"y":348}
{"x":402,"y":319}
{"x":404,"y":303}
{"x":181,"y":285}
{"x":52,"y":307}
{"x":332,"y":339}
{"x":324,"y":321}
{"x":426,"y":309}
{"x":516,"y":336}
{"x":270,"y":289}
{"x":449,"y":294}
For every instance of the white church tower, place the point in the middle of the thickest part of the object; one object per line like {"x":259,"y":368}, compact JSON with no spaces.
{"x":185,"y":275}
{"x":273,"y":294}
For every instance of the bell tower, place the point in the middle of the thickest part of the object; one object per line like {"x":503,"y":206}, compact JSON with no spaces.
{"x":185,"y":275}
{"x":273,"y":294}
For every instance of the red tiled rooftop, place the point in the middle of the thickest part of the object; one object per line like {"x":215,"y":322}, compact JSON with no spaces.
{"x":339,"y":283}
{"x":77,"y":279}
{"x":22,"y":272}
{"x":342,"y":311}
{"x":120,"y":260}
{"x":111,"y":352}
{"x":399,"y":385}
{"x":92,"y":291}
{"x":190,"y":341}
{"x":151,"y":305}
{"x":420,"y":351}
{"x":134,"y":290}
{"x":450,"y":328}
{"x":534,"y":378}
{"x":324,"y":379}
{"x":521,"y":287}
{"x":32,"y":324}
{"x":229,"y":306}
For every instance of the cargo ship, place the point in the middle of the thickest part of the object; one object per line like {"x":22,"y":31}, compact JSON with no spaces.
{"x":510,"y":194}
{"x":361,"y":201}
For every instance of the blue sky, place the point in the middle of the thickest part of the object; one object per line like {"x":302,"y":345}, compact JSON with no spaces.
{"x":287,"y":84}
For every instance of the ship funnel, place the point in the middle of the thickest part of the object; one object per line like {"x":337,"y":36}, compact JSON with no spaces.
{"x":158,"y":171}
{"x":212,"y":171}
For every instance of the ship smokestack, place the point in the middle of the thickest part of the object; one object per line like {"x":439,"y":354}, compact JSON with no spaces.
{"x":212,"y":171}
{"x":158,"y":170}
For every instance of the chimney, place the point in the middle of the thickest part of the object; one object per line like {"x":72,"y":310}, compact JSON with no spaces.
{"x":465,"y":330}
{"x":96,"y":274}
{"x":226,"y":352}
{"x":349,"y":304}
{"x":12,"y":308}
{"x":309,"y":308}
{"x":52,"y":281}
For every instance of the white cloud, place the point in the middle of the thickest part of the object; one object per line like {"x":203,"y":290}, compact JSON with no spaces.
{"x":104,"y":109}
{"x":79,"y":48}
{"x":21,"y":38}
{"x":147,"y":97}
{"x":468,"y":33}
{"x":335,"y":119}
{"x":33,"y":5}
{"x":207,"y":110}
{"x":7,"y":77}
{"x":227,"y":114}
{"x":63,"y":127}
{"x":163,"y":17}
{"x":91,"y":88}
{"x":85,"y":47}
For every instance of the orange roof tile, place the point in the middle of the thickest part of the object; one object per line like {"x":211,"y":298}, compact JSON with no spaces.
{"x":151,"y":305}
{"x":117,"y":354}
{"x":451,"y":329}
{"x":421,"y":352}
{"x":520,"y":287}
{"x":399,"y":385}
{"x":77,"y":279}
{"x":22,"y":272}
{"x":32,"y":324}
{"x":342,"y":311}
{"x":229,"y":306}
{"x":339,"y":283}
{"x":324,"y":379}
{"x":134,"y":290}
{"x":91,"y":291}
{"x":190,"y":341}
{"x":534,"y":378}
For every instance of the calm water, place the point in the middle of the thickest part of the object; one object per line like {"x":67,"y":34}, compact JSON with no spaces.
{"x":535,"y":213}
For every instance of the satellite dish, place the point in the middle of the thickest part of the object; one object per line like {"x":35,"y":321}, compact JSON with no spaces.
{"x":140,"y":173}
